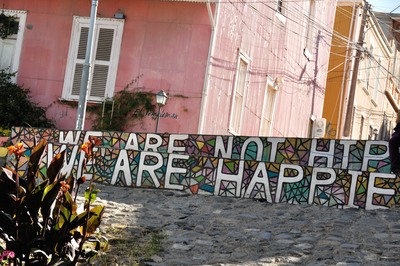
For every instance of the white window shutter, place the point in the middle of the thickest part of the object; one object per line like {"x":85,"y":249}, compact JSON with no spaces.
{"x":100,"y":65}
{"x":107,"y":39}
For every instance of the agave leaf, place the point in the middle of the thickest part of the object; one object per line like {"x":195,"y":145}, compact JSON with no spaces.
{"x":90,"y":255}
{"x":33,"y":201}
{"x":7,"y":183}
{"x":49,"y":195}
{"x":92,"y":194}
{"x":7,"y":172}
{"x":95,"y":218}
{"x":33,"y":164}
{"x":64,"y":217}
{"x":68,"y":201}
{"x":55,"y":166}
{"x":9,"y":203}
{"x":77,"y":220}
{"x":7,"y":225}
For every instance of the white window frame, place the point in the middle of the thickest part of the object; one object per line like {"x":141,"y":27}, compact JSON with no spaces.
{"x":78,"y":23}
{"x":280,"y":10}
{"x":239,"y":110}
{"x":21,"y":16}
{"x":309,"y":46}
{"x":269,"y":106}
{"x":279,"y":6}
{"x":377,"y":80}
{"x":369,"y":66}
{"x":362,"y":125}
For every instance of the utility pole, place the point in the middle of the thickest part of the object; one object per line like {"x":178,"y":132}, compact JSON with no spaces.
{"x":84,"y":89}
{"x":350,"y":103}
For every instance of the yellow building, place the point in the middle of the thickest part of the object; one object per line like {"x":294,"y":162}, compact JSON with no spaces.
{"x":360,"y":100}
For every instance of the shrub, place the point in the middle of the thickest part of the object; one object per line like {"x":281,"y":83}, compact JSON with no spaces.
{"x":16,"y":107}
{"x":39,"y":222}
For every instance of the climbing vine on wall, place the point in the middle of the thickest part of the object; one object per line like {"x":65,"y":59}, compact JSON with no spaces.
{"x":117,"y":112}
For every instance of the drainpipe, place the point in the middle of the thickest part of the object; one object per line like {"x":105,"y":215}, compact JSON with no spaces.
{"x":204,"y":97}
{"x":84,"y":89}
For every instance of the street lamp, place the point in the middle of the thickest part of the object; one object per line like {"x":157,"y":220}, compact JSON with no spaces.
{"x":161,"y":99}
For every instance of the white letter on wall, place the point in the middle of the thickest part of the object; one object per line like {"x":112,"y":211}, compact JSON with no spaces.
{"x":152,"y":146}
{"x":171,"y":143}
{"x":123,"y":165}
{"x":228,"y":177}
{"x":260,"y":148}
{"x":171,"y":169}
{"x":315,"y":182}
{"x":274,"y":147}
{"x":327,"y":154}
{"x":374,"y":190}
{"x":346,"y":152}
{"x":287,"y":179}
{"x":149,"y":168}
{"x":263,"y":179}
{"x":368,"y":156}
{"x":219,"y":147}
{"x":132,"y":142}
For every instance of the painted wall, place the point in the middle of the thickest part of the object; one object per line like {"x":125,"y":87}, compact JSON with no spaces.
{"x":301,"y":171}
{"x":166,"y":42}
{"x":340,"y":62}
{"x":274,"y":43}
{"x":373,"y":113}
{"x":375,"y":104}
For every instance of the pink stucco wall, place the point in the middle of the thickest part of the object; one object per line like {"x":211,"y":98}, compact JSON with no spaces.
{"x":275,"y":49}
{"x":167,"y":42}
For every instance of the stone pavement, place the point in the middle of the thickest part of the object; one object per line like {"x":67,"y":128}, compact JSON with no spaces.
{"x":212,"y":230}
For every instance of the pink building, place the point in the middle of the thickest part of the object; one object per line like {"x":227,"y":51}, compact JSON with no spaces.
{"x":256,"y":68}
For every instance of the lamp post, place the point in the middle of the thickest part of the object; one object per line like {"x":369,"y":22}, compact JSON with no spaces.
{"x":161,"y":99}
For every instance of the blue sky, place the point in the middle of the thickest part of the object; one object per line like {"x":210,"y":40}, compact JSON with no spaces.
{"x":385,"y":5}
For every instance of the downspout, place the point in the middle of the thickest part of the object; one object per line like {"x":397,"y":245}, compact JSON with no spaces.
{"x":206,"y":76}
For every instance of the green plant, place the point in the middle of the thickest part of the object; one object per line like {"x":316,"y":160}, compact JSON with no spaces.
{"x":39,"y":222}
{"x":16,"y":107}
{"x":8,"y":25}
{"x":126,"y":106}
{"x":4,"y":132}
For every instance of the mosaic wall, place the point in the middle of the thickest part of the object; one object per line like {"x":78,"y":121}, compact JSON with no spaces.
{"x":372,"y":156}
{"x":297,"y":171}
{"x":271,"y":182}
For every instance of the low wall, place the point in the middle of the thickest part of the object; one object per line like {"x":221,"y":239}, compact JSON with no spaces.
{"x":357,"y":155}
{"x":182,"y":168}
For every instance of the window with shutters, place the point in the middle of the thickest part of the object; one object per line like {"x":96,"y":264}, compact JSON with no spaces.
{"x":239,"y":95}
{"x":107,"y":38}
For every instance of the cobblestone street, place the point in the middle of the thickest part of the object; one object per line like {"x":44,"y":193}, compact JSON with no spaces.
{"x":211,"y":230}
